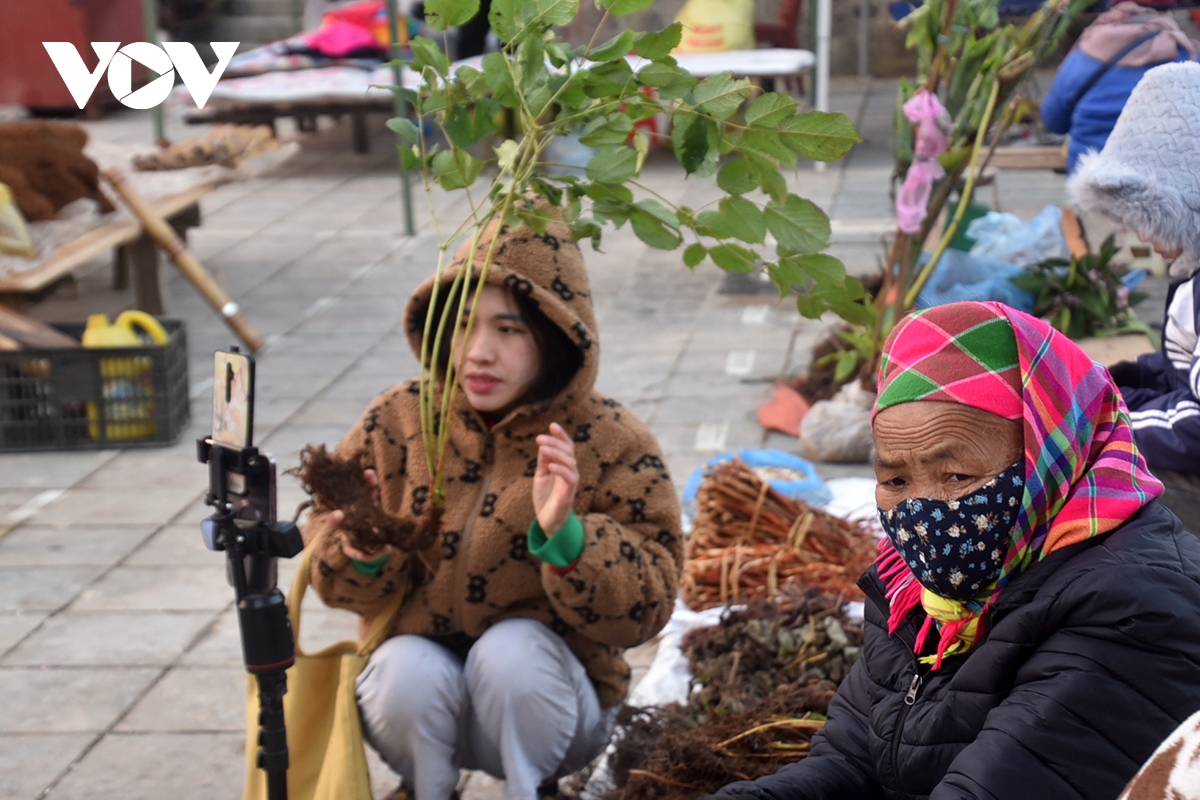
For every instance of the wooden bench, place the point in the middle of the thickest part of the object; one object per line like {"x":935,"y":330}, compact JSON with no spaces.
{"x":305,"y":114}
{"x":135,"y":256}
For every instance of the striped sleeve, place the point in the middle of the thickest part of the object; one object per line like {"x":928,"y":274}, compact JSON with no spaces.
{"x":1166,"y":421}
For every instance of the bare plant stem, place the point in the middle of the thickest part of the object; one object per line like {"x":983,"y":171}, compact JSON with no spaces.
{"x":963,"y":200}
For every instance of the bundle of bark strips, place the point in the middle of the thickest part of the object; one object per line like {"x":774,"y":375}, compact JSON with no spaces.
{"x":761,"y":686}
{"x":749,"y":540}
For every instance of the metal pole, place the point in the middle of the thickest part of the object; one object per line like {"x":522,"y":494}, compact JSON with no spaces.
{"x":401,"y":106}
{"x":864,"y":38}
{"x":150,"y":28}
{"x":298,"y":15}
{"x":824,"y":28}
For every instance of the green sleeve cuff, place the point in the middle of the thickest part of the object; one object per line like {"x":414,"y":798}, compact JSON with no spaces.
{"x":369,"y":567}
{"x":563,"y":548}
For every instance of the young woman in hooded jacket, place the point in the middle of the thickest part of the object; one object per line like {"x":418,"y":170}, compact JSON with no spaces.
{"x":1033,"y":619}
{"x":558,"y":545}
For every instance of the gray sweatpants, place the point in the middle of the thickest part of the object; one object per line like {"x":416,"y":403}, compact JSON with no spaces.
{"x":520,"y":708}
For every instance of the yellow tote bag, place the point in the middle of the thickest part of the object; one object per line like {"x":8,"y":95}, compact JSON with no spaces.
{"x":326,"y":757}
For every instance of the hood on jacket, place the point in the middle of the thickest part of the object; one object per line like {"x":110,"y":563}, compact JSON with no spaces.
{"x":1147,"y":177}
{"x":547,"y":270}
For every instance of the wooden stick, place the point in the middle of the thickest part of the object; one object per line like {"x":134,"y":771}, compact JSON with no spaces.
{"x":29,"y":332}
{"x":191,"y":268}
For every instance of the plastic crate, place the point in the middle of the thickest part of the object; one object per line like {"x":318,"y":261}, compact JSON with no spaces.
{"x":71,"y":399}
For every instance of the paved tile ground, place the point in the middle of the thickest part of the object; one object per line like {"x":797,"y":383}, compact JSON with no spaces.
{"x":120,"y":669}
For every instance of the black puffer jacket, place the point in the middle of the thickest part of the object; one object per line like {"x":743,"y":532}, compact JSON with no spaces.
{"x":1091,"y":658}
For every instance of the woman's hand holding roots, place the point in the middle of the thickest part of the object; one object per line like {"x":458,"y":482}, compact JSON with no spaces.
{"x":337,"y":517}
{"x":556,"y":479}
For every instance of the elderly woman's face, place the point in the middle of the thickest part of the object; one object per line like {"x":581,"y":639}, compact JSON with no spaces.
{"x":940,"y":451}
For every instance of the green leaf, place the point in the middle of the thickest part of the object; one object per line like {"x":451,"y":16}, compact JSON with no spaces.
{"x":733,"y":258}
{"x":767,"y":174}
{"x":455,"y":169}
{"x":769,"y":110}
{"x":671,"y":81}
{"x":554,"y":12}
{"x":649,"y":226}
{"x":847,"y":360}
{"x":798,"y":225}
{"x":694,"y":254}
{"x":498,"y":78}
{"x":824,"y":269}
{"x":689,"y":137}
{"x":409,"y":157}
{"x":658,"y":45}
{"x":820,"y":135}
{"x":442,"y":14}
{"x":407,"y":134}
{"x":743,"y":219}
{"x":426,"y":53}
{"x":659,"y":211}
{"x":612,"y":164}
{"x":622,"y":7}
{"x":571,"y":94}
{"x":613,"y":129}
{"x":502,"y":18}
{"x":466,"y":125}
{"x":614,"y":48}
{"x":766,"y":144}
{"x":786,"y":275}
{"x":601,"y":191}
{"x":736,"y":177}
{"x":809,"y":307}
{"x":607,"y":80}
{"x":720,"y":95}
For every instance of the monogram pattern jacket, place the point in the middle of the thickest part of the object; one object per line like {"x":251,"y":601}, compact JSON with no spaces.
{"x":478,"y":570}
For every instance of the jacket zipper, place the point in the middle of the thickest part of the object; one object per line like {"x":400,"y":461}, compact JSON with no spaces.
{"x":910,"y":699}
{"x":460,"y":569}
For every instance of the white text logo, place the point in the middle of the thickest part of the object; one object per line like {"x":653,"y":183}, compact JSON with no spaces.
{"x":180,"y":56}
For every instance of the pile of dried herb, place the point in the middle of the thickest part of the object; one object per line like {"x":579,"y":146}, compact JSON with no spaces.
{"x":761,"y":686}
{"x":749,"y":540}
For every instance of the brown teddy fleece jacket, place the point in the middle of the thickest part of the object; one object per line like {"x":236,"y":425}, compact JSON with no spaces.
{"x":478,"y":571}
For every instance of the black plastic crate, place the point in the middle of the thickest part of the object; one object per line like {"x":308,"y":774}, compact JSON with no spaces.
{"x":69,"y":399}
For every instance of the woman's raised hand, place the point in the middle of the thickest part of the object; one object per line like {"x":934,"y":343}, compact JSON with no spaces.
{"x":556,"y":479}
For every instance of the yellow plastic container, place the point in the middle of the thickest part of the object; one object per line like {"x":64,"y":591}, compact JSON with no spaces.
{"x":127,"y":383}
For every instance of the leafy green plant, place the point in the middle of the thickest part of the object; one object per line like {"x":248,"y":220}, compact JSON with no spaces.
{"x":1084,"y":296}
{"x":974,"y":63}
{"x":551,"y":89}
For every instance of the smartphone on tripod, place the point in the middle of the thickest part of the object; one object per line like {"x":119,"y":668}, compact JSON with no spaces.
{"x":245,"y":527}
{"x":249,"y":483}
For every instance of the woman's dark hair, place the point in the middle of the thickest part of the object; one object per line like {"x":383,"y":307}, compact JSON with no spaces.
{"x":561,"y":358}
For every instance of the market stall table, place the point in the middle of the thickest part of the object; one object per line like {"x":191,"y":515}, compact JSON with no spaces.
{"x":135,"y":255}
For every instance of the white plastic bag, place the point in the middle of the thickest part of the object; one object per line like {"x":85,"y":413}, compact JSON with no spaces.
{"x":839,"y":430}
{"x":1007,"y":238}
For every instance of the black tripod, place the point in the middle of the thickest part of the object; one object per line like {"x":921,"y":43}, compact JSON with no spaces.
{"x":242,"y":490}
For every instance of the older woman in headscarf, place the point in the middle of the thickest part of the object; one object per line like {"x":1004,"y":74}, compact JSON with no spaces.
{"x":1033,"y":618}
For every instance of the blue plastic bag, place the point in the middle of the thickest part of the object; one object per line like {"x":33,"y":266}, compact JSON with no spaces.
{"x":962,"y":276}
{"x":810,"y":488}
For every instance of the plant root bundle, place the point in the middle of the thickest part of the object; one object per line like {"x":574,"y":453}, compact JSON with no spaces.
{"x":762,"y":682}
{"x":749,"y":541}
{"x":336,"y":483}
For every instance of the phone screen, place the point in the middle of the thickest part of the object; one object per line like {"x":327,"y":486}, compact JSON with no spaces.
{"x":233,"y":399}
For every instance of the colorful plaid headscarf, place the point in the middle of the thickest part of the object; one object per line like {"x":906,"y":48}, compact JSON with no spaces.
{"x":1084,"y":474}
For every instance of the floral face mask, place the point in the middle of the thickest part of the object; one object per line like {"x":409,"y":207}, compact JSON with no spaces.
{"x":956,"y":548}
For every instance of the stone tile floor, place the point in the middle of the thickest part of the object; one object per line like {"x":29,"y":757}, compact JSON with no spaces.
{"x":120,"y":667}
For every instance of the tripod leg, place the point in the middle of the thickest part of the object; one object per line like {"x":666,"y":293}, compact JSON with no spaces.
{"x":272,"y":735}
